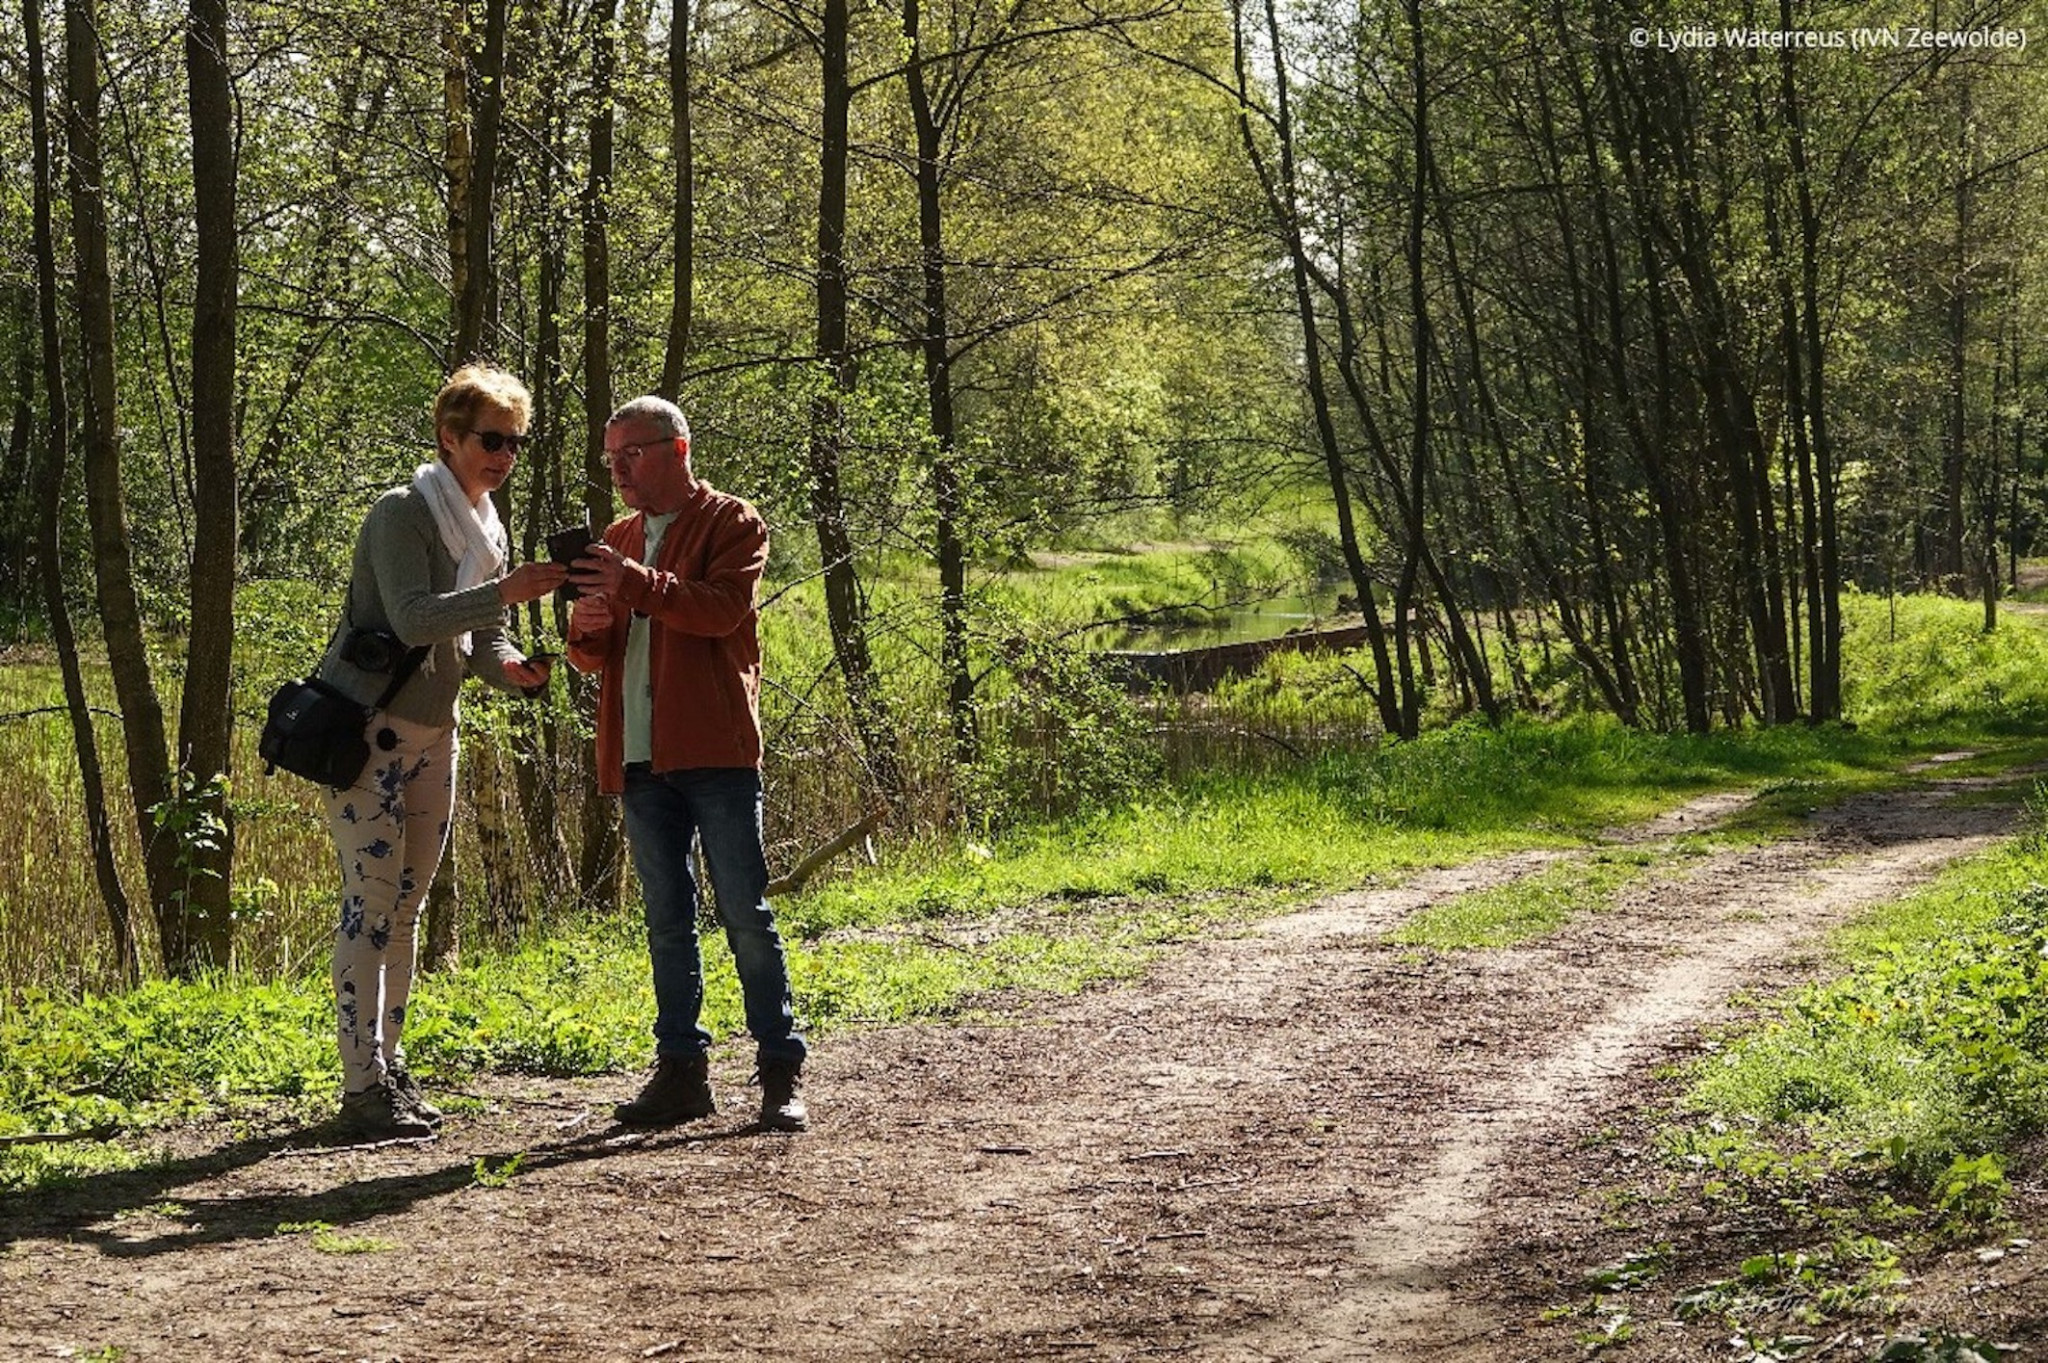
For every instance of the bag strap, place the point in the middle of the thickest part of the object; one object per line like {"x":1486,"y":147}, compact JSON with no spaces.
{"x":403,"y":674}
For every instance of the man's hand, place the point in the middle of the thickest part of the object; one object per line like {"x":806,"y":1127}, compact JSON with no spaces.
{"x":590,"y":615}
{"x":600,"y":572}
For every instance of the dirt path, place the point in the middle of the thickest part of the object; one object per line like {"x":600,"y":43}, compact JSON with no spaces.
{"x":1300,"y":1143}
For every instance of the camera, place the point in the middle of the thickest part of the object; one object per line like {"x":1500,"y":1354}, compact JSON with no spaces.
{"x":372,"y":650}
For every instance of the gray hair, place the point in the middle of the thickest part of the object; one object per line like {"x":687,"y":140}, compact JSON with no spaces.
{"x":664,"y":416}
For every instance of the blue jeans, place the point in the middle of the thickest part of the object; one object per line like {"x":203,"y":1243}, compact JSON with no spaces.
{"x":722,"y":805}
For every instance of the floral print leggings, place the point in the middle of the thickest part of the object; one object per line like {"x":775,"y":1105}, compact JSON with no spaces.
{"x":390,"y":830}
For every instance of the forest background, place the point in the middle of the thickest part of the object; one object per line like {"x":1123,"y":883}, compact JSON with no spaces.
{"x":1589,"y":375}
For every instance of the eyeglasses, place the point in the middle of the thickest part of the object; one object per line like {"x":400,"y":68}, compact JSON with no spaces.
{"x":493,"y":441}
{"x":634,"y":452}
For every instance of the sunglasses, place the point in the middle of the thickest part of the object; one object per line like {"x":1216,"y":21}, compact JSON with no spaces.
{"x":493,"y":441}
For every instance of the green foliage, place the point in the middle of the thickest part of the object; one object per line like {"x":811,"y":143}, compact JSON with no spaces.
{"x":1061,"y":738}
{"x":1180,"y":586}
{"x":1931,"y":1054}
{"x":576,"y":1003}
{"x":191,"y":818}
{"x":1925,"y":663}
{"x":1851,"y":1273}
{"x":1972,"y":1189}
{"x":486,"y":1174}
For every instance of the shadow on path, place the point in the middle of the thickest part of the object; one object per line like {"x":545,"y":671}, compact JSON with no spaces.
{"x":84,"y":1211}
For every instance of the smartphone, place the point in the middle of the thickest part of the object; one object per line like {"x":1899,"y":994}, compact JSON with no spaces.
{"x":565,"y":547}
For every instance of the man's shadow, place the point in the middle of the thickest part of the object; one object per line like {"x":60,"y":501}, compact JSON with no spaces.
{"x":82,"y":1210}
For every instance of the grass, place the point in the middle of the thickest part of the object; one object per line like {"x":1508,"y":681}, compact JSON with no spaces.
{"x":1877,"y":1112}
{"x":1350,"y":817}
{"x":1047,"y":908}
{"x":326,"y":1239}
{"x":1931,"y":1046}
{"x":948,"y":922}
{"x":1530,"y":907}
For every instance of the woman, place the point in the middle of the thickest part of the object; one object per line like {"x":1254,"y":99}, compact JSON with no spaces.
{"x":426,"y":604}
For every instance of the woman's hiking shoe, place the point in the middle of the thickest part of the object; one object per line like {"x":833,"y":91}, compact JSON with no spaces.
{"x":782,"y":1095}
{"x":382,"y":1113}
{"x":679,"y":1090}
{"x":409,"y":1089}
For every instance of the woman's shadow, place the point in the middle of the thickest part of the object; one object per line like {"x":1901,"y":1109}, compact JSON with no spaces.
{"x":104,"y":1210}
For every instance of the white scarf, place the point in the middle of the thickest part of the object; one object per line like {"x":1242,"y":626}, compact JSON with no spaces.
{"x":471,"y":532}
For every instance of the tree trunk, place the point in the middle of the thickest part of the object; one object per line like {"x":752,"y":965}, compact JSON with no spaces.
{"x":477,"y":331}
{"x":49,"y":481}
{"x":442,"y":926}
{"x":1423,"y":343}
{"x":935,"y":343}
{"x":1825,"y":702}
{"x":19,"y":517}
{"x":477,"y":301}
{"x":1284,"y":204}
{"x":504,"y":903}
{"x":205,"y":720}
{"x":599,"y":871}
{"x":540,"y":762}
{"x":845,"y":602}
{"x":683,"y":210}
{"x":1648,"y":431}
{"x":456,"y":155}
{"x":120,"y":613}
{"x":1466,"y":652}
{"x":1730,"y":408}
{"x":1948,"y":561}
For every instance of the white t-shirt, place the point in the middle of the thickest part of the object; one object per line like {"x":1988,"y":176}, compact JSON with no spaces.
{"x":637,"y":689}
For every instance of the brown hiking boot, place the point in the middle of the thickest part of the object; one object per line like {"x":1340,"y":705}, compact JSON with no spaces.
{"x":782,"y":1097}
{"x":409,"y":1089}
{"x":678,"y":1091}
{"x":381,"y":1113}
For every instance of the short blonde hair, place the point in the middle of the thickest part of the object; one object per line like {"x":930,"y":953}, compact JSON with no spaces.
{"x":472,"y":387}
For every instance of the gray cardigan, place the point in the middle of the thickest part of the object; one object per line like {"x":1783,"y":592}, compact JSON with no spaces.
{"x":403,"y":581}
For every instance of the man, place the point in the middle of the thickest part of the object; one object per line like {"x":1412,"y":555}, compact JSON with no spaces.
{"x":666,"y":614}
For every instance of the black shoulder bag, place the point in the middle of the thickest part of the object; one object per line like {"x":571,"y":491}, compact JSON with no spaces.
{"x":314,"y":730}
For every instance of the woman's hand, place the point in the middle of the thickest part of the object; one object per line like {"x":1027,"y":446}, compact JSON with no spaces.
{"x":529,"y":674}
{"x":530,"y":582}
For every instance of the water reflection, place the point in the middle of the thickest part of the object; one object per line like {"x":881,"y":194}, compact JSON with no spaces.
{"x":1227,"y":625}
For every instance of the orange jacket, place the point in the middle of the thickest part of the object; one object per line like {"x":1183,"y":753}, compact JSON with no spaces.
{"x":704,"y":654}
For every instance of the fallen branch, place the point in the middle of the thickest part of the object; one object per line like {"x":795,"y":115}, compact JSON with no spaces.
{"x":809,"y":866}
{"x":56,"y":710}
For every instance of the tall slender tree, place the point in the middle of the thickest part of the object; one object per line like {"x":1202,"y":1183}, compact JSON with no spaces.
{"x":49,"y":480}
{"x":149,"y":766}
{"x":205,"y":719}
